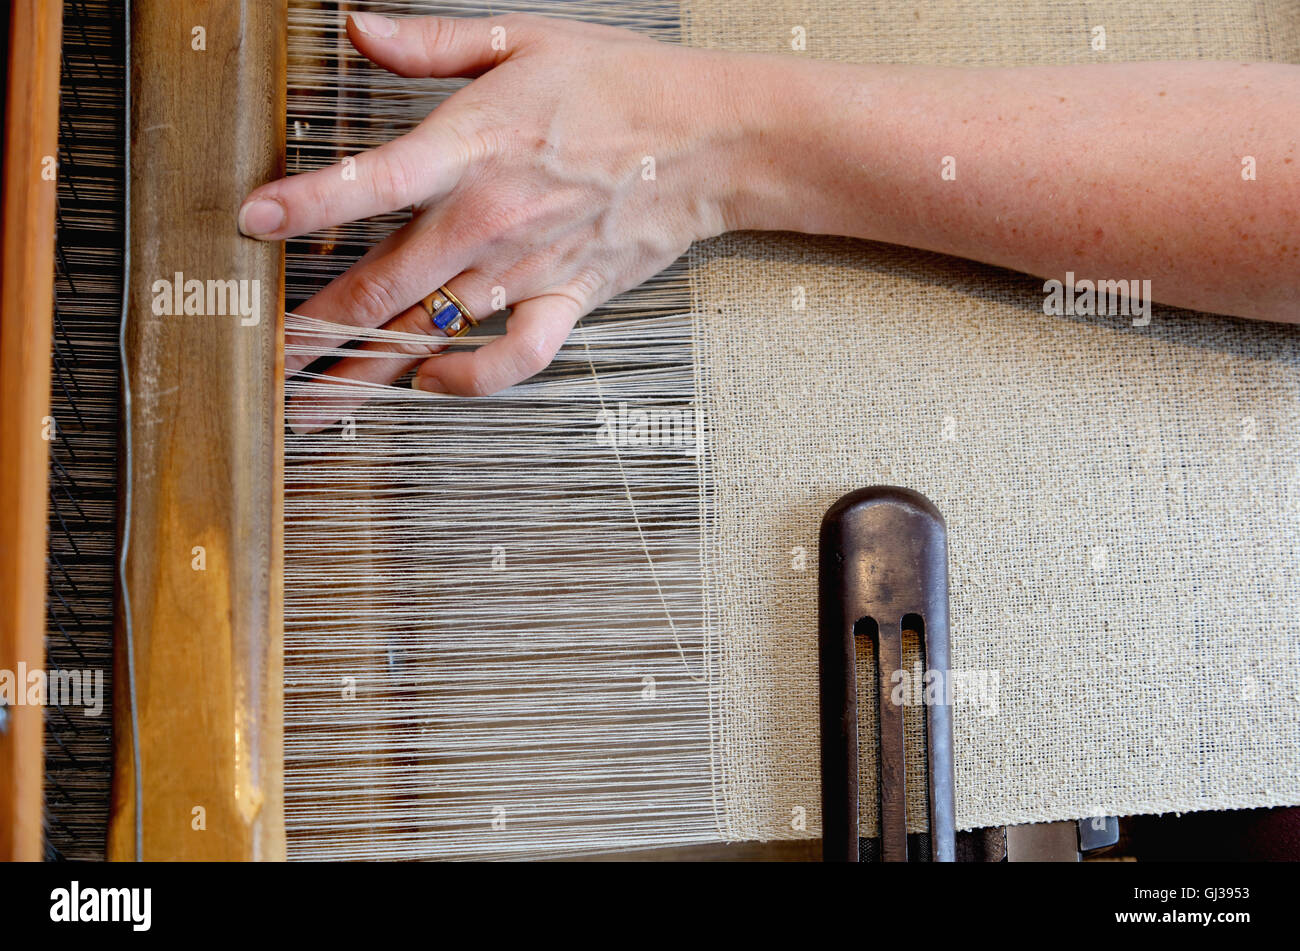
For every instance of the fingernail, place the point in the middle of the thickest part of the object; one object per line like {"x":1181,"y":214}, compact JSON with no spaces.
{"x":262,"y":216}
{"x":427,"y":384}
{"x":372,"y":24}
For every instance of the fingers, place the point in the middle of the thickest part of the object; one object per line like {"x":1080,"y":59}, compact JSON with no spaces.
{"x":394,"y":275}
{"x":329,"y":303}
{"x":433,"y":46}
{"x":422,"y":165}
{"x":536,"y":330}
{"x":321,"y":404}
{"x":534,"y":333}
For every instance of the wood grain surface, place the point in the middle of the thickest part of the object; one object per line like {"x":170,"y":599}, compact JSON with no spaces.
{"x":198,"y":762}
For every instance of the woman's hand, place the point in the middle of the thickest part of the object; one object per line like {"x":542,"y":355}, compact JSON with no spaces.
{"x":585,"y":159}
{"x":582,"y":161}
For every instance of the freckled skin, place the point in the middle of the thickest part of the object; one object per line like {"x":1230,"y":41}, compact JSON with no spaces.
{"x":1153,"y":181}
{"x":535,"y":177}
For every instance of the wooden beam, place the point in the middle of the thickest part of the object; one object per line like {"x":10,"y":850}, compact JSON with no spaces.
{"x":27,"y":302}
{"x":198,"y":698}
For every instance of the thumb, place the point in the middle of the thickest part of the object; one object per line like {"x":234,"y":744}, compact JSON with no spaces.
{"x":433,"y":46}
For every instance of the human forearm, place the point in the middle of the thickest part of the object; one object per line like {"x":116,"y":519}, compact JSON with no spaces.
{"x":1123,"y":171}
{"x":582,"y":160}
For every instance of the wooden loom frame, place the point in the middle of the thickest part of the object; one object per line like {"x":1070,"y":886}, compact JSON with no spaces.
{"x":198,"y":666}
{"x":197,"y":653}
{"x":198,"y":762}
{"x":198,"y":759}
{"x":198,"y":751}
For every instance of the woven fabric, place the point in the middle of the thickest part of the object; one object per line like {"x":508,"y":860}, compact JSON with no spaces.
{"x":1122,"y":502}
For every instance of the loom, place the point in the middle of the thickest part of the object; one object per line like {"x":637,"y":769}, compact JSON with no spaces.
{"x":580,"y":617}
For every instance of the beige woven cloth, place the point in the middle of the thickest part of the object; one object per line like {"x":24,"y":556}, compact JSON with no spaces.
{"x":1122,"y":502}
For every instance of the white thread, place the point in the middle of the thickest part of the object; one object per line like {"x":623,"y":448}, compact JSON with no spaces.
{"x":484,"y":655}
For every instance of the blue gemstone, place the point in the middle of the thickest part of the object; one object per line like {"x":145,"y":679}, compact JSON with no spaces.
{"x":446,"y":316}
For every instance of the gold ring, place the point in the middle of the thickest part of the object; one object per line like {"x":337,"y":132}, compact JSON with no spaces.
{"x":449,"y":314}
